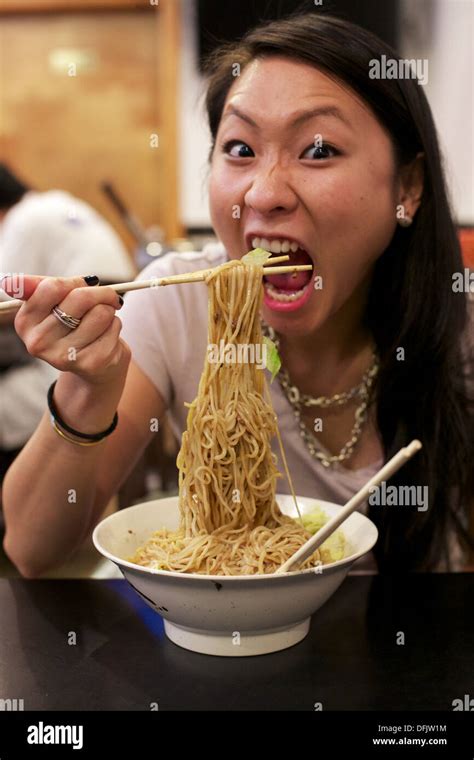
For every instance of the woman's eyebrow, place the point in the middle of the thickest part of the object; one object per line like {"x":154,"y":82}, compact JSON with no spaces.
{"x":298,"y":117}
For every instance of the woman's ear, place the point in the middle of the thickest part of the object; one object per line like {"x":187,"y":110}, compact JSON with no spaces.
{"x":411,"y":180}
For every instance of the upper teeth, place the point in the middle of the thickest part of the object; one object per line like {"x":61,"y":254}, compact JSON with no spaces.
{"x":275,"y":246}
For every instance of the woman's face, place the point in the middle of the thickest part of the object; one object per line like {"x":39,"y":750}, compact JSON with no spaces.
{"x":300,"y":159}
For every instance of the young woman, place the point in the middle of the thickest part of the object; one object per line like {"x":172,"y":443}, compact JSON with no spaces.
{"x":313,"y":156}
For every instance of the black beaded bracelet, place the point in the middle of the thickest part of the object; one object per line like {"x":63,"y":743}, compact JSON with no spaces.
{"x":62,"y":424}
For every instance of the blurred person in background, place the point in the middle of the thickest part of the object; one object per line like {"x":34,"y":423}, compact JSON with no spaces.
{"x":48,"y":233}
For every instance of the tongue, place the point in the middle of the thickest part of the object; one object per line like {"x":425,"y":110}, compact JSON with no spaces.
{"x":293,"y":280}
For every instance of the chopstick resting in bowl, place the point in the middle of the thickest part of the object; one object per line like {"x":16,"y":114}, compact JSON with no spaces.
{"x":313,"y":543}
{"x":177,"y":279}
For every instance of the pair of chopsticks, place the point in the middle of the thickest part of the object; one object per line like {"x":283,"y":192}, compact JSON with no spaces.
{"x":393,"y":464}
{"x":177,"y":279}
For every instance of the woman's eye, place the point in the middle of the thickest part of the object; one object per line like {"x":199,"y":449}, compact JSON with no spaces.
{"x":238,"y":149}
{"x":319,"y":152}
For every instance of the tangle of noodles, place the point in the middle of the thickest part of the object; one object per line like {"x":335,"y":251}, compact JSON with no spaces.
{"x":230,"y":523}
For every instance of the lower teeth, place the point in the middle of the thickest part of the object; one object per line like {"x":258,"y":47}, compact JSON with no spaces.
{"x":284,"y":297}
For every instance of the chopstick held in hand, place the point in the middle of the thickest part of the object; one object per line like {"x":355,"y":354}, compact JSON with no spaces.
{"x":177,"y":279}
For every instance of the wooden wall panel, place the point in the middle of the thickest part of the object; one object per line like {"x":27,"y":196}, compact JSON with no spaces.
{"x":72,"y":132}
{"x":45,"y":6}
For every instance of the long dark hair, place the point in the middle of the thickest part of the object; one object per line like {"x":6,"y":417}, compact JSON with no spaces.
{"x":411,"y":305}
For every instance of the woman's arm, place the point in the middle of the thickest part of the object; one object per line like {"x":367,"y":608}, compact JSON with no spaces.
{"x":55,"y":491}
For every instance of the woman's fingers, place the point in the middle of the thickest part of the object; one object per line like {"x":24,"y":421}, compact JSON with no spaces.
{"x":70,"y":295}
{"x":57,"y":343}
{"x":81,"y":299}
{"x":93,"y":348}
{"x":40,"y":295}
{"x":94,"y":307}
{"x":53,"y":291}
{"x":104,"y":352}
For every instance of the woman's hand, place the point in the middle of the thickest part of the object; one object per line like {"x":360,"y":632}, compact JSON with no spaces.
{"x":97,"y":383}
{"x":93,"y":351}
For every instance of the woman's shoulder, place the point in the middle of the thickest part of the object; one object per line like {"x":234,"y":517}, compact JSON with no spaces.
{"x":166,"y":327}
{"x":175,"y":262}
{"x":175,"y":315}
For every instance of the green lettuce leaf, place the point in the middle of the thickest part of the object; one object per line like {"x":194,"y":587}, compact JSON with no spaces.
{"x":258,"y":256}
{"x":273,"y":361}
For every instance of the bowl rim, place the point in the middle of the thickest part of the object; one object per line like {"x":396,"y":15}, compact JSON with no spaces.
{"x":229,"y":578}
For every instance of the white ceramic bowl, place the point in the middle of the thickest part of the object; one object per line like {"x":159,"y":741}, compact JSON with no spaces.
{"x":229,"y":615}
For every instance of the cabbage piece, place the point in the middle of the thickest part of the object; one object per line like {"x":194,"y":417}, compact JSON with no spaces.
{"x":272,"y":357}
{"x":333,"y":548}
{"x":257,"y":256}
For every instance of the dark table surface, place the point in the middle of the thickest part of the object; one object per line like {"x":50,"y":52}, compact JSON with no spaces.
{"x":122,"y":660}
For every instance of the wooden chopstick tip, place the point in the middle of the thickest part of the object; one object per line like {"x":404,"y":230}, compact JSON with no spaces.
{"x":413,"y":447}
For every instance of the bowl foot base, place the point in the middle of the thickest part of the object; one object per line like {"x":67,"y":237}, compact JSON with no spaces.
{"x":235,"y":644}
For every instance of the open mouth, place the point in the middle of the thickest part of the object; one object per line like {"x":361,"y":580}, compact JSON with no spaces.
{"x":286,"y":292}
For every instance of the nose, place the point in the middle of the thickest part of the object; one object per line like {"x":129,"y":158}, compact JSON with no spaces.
{"x":270,"y":191}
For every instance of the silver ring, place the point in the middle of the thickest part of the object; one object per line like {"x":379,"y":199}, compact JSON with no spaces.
{"x":65,"y":319}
